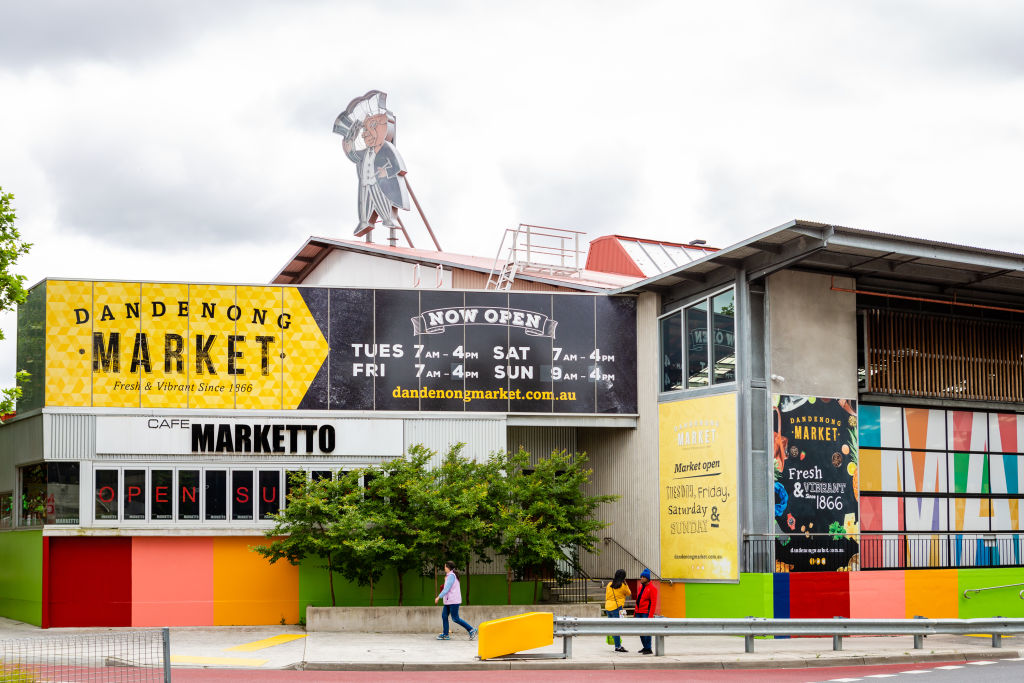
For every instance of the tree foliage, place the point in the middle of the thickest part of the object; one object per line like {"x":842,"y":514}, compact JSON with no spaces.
{"x":12,"y":286}
{"x":404,"y":515}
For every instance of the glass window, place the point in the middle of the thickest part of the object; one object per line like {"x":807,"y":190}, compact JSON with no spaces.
{"x":270,"y":496}
{"x":321,"y":474}
{"x":134,"y":494}
{"x":672,"y":352}
{"x":188,"y":495}
{"x":241,"y":494}
{"x":62,"y":492}
{"x":697,"y":345}
{"x":160,"y":494}
{"x":216,"y":494}
{"x":723,"y":315}
{"x":294,"y":480}
{"x":6,"y":510}
{"x":106,"y":495}
{"x":33,"y":495}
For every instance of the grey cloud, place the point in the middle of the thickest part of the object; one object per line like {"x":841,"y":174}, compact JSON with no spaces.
{"x":114,"y":193}
{"x":593,"y":196}
{"x":51,"y":32}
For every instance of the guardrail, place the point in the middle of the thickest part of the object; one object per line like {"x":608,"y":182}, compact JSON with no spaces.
{"x":573,"y":627}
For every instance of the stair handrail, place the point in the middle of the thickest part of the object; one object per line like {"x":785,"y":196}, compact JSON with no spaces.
{"x":609,"y":539}
{"x":992,"y":588}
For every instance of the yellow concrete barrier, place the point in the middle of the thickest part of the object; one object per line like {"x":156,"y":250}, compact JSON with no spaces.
{"x":514,"y":634}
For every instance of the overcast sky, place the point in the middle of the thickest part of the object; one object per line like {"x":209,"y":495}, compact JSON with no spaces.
{"x":191,"y":140}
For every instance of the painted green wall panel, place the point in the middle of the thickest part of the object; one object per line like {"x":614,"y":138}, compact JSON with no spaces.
{"x":1001,"y":602}
{"x":21,"y":576}
{"x":751,"y":597}
{"x":484,"y":589}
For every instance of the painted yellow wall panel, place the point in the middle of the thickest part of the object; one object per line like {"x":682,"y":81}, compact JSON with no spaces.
{"x":211,"y":327}
{"x":117,"y":362}
{"x":515,"y":634}
{"x":870,"y":466}
{"x":165,"y":386}
{"x":68,"y":343}
{"x":249,"y":590}
{"x":697,"y":476}
{"x":258,"y":386}
{"x":305,"y":348}
{"x":932,"y":593}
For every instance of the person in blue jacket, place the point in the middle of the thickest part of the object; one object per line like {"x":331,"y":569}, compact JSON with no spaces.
{"x":451,"y":594}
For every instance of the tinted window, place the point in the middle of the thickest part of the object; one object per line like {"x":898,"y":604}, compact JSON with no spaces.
{"x":106,"y":494}
{"x":134,"y":494}
{"x":160,"y":494}
{"x":188,"y":494}
{"x":216,"y":494}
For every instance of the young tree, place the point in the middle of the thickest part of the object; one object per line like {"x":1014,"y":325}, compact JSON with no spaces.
{"x":450,"y":525}
{"x":390,"y":509}
{"x":12,"y":287}
{"x":314,"y":523}
{"x":541,"y":515}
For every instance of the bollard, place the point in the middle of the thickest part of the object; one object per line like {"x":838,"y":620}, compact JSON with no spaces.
{"x":997,"y":640}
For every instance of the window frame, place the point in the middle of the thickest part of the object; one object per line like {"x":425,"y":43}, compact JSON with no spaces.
{"x":680,"y":310}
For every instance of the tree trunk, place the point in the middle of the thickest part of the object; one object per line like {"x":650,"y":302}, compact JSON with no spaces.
{"x":401,"y":587}
{"x":330,"y":580}
{"x":536,"y":582}
{"x":508,"y":581}
{"x":371,"y":591}
{"x":467,"y":583}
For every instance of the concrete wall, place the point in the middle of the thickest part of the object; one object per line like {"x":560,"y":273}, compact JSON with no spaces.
{"x":424,"y":619}
{"x":812,"y":335}
{"x":351,"y":269}
{"x":625,"y":462}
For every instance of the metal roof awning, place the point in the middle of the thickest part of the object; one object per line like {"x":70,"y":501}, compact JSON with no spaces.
{"x":876,"y":260}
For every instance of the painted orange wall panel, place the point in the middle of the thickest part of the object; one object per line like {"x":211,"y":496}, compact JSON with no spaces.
{"x":877,"y":595}
{"x":931,"y":593}
{"x":249,"y":590}
{"x":672,"y":597}
{"x":172,"y":581}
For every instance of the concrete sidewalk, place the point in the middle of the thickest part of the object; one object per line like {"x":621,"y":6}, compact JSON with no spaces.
{"x":290,"y":647}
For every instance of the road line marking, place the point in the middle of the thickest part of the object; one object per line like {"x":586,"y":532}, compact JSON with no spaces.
{"x":266,"y":642}
{"x":981,"y":663}
{"x":843,"y":680}
{"x":950,"y":667}
{"x":881,"y":676}
{"x":217,"y":661}
{"x":916,"y":671}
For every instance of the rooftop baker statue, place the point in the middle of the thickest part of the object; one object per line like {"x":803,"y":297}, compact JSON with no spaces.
{"x":369,"y":131}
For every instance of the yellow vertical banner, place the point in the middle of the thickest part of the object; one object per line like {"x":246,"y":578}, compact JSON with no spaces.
{"x":305,"y":347}
{"x":119,"y":350}
{"x":260,"y":342}
{"x":212,"y":314}
{"x":68,"y":343}
{"x":165,"y":322}
{"x":699,"y":508}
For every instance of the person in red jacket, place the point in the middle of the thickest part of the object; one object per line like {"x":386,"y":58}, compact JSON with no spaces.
{"x":646,"y":604}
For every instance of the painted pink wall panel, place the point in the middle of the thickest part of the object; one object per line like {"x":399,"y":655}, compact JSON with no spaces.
{"x":877,"y":595}
{"x":819,"y":594}
{"x":172,"y":581}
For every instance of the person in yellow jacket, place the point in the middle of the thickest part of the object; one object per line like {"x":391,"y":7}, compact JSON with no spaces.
{"x":615,"y":594}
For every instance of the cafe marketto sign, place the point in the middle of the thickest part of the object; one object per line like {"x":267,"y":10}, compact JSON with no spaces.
{"x":156,"y":345}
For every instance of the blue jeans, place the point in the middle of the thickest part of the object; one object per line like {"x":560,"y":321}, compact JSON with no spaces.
{"x":454,"y":611}
{"x":644,"y":640}
{"x":614,"y":614}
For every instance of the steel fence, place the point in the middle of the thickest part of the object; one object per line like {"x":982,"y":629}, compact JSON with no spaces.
{"x":125,"y":657}
{"x":572,"y":627}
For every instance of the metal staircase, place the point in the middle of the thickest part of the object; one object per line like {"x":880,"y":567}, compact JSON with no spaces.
{"x":536,"y":249}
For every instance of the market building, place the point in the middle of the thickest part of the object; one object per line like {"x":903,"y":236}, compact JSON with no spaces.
{"x":815,"y":421}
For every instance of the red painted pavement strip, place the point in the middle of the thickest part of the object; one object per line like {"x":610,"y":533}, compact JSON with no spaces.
{"x":807,"y":675}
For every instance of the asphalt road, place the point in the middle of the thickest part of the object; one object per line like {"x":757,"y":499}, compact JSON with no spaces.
{"x":993,"y":670}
